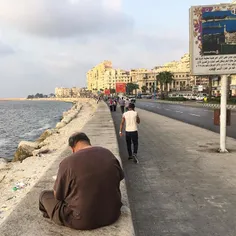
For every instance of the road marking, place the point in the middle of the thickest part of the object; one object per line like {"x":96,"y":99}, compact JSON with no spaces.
{"x":179,"y":112}
{"x":158,"y":108}
{"x":191,"y":114}
{"x":167,"y":109}
{"x":208,"y":110}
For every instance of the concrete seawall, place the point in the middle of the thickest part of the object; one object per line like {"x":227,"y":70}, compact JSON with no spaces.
{"x":26,"y":220}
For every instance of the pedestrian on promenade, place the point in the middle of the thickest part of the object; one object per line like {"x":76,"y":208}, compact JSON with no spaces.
{"x":122,"y":105}
{"x":130,"y":119}
{"x":86,"y":193}
{"x":111,"y":105}
{"x":127,"y":104}
{"x":114,"y":104}
{"x":99,"y":99}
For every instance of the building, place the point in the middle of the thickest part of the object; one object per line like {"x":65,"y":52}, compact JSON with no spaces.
{"x":96,"y":76}
{"x":67,"y":92}
{"x":183,"y":81}
{"x":233,"y":85}
{"x":103,"y":76}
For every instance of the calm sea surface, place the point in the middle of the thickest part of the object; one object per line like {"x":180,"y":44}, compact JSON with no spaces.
{"x":26,"y":120}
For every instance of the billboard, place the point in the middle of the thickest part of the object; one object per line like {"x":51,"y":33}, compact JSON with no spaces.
{"x":120,"y":87}
{"x":107,"y":92}
{"x":213,"y":39}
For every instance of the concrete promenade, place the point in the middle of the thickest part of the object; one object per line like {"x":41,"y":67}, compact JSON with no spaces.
{"x":26,"y":220}
{"x":182,"y":186}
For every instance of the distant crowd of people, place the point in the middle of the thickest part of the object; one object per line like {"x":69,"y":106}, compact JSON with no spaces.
{"x":124,"y":104}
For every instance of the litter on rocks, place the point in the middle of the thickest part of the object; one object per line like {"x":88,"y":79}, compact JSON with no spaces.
{"x":18,"y":186}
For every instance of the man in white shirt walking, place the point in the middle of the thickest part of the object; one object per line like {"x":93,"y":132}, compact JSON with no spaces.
{"x":131,"y":121}
{"x":127,"y":104}
{"x":122,"y":105}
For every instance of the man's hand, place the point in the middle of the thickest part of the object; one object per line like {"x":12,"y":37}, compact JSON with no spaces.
{"x":121,"y":126}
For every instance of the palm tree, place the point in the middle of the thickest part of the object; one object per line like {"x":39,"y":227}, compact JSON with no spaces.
{"x":144,"y":89}
{"x":164,"y":78}
{"x":130,"y":87}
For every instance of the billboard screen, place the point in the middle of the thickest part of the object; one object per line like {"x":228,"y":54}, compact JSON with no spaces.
{"x":120,"y":87}
{"x":213,"y":39}
{"x":107,"y":92}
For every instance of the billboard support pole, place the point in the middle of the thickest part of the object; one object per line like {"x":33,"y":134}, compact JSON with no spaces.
{"x":223,"y":113}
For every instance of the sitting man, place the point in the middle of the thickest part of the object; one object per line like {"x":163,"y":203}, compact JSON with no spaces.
{"x":87,"y":189}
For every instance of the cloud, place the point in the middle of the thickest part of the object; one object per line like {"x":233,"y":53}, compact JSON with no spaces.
{"x":65,"y":18}
{"x":53,"y":43}
{"x":5,"y":49}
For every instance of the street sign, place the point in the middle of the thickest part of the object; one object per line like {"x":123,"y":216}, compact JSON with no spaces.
{"x":213,"y":39}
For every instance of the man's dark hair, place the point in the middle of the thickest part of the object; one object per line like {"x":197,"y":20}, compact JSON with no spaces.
{"x":131,"y":106}
{"x":78,"y":137}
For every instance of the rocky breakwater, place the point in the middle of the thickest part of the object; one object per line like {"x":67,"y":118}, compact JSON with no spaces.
{"x":26,"y":149}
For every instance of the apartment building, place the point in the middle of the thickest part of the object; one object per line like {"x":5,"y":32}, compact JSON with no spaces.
{"x":67,"y":92}
{"x":96,"y":76}
{"x":103,"y":76}
{"x":181,"y":71}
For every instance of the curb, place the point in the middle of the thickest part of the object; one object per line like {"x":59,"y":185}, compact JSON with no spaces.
{"x":217,"y":106}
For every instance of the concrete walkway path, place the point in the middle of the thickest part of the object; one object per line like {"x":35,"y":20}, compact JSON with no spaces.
{"x":182,"y":186}
{"x":26,"y":220}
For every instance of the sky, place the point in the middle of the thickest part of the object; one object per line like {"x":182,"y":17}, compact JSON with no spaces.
{"x":53,"y":43}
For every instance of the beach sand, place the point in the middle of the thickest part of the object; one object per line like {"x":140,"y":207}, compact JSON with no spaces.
{"x":32,"y":169}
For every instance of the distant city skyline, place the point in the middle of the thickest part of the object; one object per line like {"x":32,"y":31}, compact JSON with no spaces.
{"x":58,"y":41}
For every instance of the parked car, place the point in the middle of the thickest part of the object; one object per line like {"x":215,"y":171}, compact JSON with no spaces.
{"x":201,"y":96}
{"x":188,"y":96}
{"x":132,"y":99}
{"x":194,"y":96}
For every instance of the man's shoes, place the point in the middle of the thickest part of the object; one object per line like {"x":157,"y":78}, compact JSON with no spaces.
{"x":135,"y":159}
{"x":130,"y":158}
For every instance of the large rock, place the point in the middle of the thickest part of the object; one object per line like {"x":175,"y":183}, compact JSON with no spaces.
{"x":39,"y":152}
{"x":67,"y":119}
{"x":60,"y":125}
{"x":44,"y":135}
{"x":25,"y":149}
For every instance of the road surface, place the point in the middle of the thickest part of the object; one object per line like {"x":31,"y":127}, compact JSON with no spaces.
{"x":181,"y":186}
{"x":199,"y":116}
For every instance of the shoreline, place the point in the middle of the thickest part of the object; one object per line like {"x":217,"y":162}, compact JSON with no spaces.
{"x":26,"y":173}
{"x":66,"y":100}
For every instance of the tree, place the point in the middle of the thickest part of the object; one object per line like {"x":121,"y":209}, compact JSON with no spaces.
{"x":38,"y":95}
{"x":144,"y":89}
{"x":130,"y":87}
{"x":164,"y":78}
